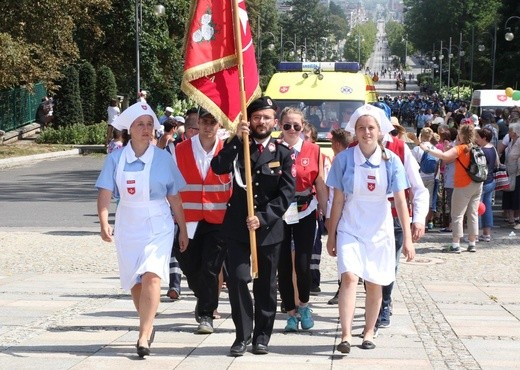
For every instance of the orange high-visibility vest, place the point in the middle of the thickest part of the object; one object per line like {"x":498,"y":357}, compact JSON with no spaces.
{"x":202,"y":199}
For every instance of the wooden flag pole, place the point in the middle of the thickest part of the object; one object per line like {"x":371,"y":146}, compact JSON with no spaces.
{"x":245,"y":137}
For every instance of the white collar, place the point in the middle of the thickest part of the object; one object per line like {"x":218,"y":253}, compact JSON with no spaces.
{"x":359,"y":158}
{"x":297,"y":146}
{"x":145,"y":158}
{"x":195,"y":140}
{"x":264,"y":143}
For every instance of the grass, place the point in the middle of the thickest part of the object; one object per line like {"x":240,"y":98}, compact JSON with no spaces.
{"x":22,"y":148}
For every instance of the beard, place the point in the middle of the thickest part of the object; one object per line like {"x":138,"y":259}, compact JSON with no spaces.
{"x":261,"y":136}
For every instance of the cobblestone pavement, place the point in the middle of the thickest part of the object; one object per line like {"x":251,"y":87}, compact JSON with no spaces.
{"x":464,"y":309}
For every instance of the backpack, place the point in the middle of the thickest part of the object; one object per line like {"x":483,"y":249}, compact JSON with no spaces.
{"x":477,"y":169}
{"x":428,"y":163}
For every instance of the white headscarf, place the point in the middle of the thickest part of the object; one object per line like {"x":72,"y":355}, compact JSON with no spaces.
{"x":369,"y":110}
{"x":130,"y":114}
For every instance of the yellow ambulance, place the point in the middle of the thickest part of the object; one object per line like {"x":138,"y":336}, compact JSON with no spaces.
{"x":326,"y":92}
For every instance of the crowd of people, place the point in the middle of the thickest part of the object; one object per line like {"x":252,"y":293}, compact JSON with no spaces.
{"x":180,"y":182}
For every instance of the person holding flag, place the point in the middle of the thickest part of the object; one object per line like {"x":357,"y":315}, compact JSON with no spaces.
{"x":273,"y":185}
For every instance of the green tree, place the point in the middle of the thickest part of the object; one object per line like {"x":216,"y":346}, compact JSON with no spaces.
{"x":37,"y":37}
{"x":398,"y":41}
{"x":161,"y":47}
{"x":306,"y":24}
{"x":106,"y":90}
{"x":427,"y":22}
{"x":67,"y":108}
{"x":87,"y":88}
{"x":360,"y":42}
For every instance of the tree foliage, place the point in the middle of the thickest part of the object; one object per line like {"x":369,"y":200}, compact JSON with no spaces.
{"x":360,"y":42}
{"x":37,"y":37}
{"x":87,"y":89}
{"x":398,"y":41}
{"x":106,"y":90}
{"x":67,"y":103}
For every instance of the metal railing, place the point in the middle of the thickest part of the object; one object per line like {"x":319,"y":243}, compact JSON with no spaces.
{"x":18,"y":106}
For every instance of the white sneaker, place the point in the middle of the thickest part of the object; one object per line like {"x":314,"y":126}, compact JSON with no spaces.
{"x":466,"y":240}
{"x":484,"y":238}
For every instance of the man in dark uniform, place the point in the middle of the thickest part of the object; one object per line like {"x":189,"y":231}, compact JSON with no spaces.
{"x":273,"y":189}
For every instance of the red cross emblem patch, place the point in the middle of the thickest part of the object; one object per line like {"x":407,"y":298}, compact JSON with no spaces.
{"x":305,"y":162}
{"x":284,"y":89}
{"x":371,"y":186}
{"x":131,"y":191}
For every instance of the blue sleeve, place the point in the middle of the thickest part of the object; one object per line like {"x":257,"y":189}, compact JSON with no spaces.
{"x":337,"y":170}
{"x":398,"y":179}
{"x":177,"y":182}
{"x":165,"y":177}
{"x":107,"y":177}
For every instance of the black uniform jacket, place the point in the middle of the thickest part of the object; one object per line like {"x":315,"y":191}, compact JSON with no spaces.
{"x":273,"y":190}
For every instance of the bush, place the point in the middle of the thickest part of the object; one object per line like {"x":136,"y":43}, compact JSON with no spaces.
{"x":67,"y":109}
{"x":87,"y":89}
{"x":106,"y":90}
{"x":78,"y":134}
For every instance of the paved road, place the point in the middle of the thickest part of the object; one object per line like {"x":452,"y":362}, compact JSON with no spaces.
{"x":51,"y":193}
{"x":61,"y":306}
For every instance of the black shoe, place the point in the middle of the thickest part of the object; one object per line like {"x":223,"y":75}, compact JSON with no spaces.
{"x":315,"y":290}
{"x":142,"y":351}
{"x":335,"y":299}
{"x":205,"y":325}
{"x":344,"y":347}
{"x":367,"y":344}
{"x":239,"y":347}
{"x":260,"y":349}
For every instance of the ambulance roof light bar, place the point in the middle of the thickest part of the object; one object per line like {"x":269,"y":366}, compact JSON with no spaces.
{"x":318,"y":66}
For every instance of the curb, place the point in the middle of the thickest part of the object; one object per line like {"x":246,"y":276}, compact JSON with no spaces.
{"x":16,"y":161}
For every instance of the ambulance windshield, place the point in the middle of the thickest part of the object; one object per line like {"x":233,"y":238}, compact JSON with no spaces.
{"x":324,"y":115}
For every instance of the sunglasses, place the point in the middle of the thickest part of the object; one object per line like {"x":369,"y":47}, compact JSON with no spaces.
{"x":287,"y":127}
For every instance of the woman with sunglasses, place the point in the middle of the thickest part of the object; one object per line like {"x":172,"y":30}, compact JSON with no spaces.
{"x":300,"y":229}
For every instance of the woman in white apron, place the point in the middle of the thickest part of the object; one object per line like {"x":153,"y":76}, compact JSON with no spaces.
{"x":361,"y":230}
{"x":147,"y":184}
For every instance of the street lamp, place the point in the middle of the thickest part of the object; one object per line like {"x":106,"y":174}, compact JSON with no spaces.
{"x":292,"y":53}
{"x":509,"y":36}
{"x":260,"y":46}
{"x":158,"y":11}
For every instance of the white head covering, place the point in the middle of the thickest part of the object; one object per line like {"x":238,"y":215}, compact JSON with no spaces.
{"x":370,"y":110}
{"x":130,"y":114}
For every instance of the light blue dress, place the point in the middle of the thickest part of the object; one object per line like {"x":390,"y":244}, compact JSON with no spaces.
{"x":165,"y":177}
{"x":144,"y":228}
{"x":365,"y":233}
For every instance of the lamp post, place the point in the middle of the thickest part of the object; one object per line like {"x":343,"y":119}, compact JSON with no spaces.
{"x":509,"y":36}
{"x":158,"y":11}
{"x":261,"y":48}
{"x":293,"y":52}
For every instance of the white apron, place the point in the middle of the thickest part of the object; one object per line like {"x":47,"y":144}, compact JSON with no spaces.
{"x":143,"y":229}
{"x":365,"y":239}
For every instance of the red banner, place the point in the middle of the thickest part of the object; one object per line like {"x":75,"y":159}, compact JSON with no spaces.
{"x":210,"y":68}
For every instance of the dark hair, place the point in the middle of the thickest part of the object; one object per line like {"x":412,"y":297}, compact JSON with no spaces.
{"x":191,"y":111}
{"x":340,"y":136}
{"x":312,"y":131}
{"x":453,"y":133}
{"x":446,"y":136}
{"x":169,"y":125}
{"x":485,"y":133}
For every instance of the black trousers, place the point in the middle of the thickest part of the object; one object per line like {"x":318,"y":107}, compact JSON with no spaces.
{"x":264,"y":290}
{"x":201,"y":262}
{"x":302,"y":234}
